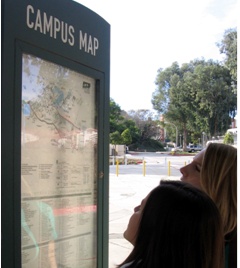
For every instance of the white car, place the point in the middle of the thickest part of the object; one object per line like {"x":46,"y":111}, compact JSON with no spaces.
{"x":194,"y":148}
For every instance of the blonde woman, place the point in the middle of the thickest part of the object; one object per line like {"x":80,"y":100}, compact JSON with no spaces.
{"x":214,"y":170}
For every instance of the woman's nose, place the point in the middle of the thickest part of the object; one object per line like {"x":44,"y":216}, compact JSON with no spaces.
{"x":136,"y":209}
{"x":183,"y":170}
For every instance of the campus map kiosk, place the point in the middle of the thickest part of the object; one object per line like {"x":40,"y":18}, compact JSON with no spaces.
{"x":55,"y":119}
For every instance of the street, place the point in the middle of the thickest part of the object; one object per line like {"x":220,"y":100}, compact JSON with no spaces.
{"x":155,"y":164}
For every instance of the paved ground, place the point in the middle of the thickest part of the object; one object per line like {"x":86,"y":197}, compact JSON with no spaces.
{"x":126,"y":191}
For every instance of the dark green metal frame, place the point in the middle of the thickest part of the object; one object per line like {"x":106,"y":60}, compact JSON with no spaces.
{"x":18,"y":39}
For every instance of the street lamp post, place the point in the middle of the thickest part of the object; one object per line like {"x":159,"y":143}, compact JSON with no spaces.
{"x":203,"y":139}
{"x":176,"y":132}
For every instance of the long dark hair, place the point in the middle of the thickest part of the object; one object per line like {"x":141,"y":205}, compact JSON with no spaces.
{"x":180,"y":227}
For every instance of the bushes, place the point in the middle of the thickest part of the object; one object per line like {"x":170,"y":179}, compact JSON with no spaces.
{"x":228,"y":138}
{"x":148,"y":145}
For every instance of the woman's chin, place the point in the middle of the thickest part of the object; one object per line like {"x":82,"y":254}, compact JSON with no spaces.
{"x":128,"y":238}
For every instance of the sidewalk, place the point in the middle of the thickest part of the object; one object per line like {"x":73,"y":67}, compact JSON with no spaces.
{"x":126,"y":192}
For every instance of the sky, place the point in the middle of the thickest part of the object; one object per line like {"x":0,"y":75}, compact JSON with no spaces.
{"x":149,"y":35}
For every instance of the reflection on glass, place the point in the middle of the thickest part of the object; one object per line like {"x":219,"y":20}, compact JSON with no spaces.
{"x":58,"y":166}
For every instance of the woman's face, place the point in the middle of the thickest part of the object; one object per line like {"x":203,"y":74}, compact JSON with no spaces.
{"x":132,"y":228}
{"x":191,"y":172}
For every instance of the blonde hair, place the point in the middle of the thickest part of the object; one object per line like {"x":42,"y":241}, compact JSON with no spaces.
{"x":218,"y":179}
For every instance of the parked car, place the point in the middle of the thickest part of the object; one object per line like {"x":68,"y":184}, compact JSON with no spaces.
{"x":194,"y":148}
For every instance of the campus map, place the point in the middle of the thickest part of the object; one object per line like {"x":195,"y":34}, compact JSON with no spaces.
{"x":58,"y":165}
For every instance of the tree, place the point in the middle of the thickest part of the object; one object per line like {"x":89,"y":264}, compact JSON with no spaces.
{"x":144,"y":121}
{"x":116,"y":118}
{"x":115,"y":138}
{"x":120,"y":121}
{"x":126,"y":137}
{"x":196,"y":97}
{"x":228,"y":138}
{"x":132,"y":127}
{"x":228,"y":46}
{"x":173,"y":98}
{"x":214,"y":99}
{"x":160,"y":98}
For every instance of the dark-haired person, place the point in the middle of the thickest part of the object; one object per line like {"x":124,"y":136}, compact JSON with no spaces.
{"x":176,"y":226}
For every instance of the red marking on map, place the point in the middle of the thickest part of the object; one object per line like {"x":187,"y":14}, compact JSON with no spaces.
{"x":74,"y":210}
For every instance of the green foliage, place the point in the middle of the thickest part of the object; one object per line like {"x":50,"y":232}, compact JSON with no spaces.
{"x":116,"y":118}
{"x":228,"y":138}
{"x":214,"y":99}
{"x":120,"y":121}
{"x":228,"y":46}
{"x":196,"y":97}
{"x":116,"y":138}
{"x":137,"y":129}
{"x":148,"y":145}
{"x":160,"y":98}
{"x":133,"y":129}
{"x":126,"y":137}
{"x":144,"y":122}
